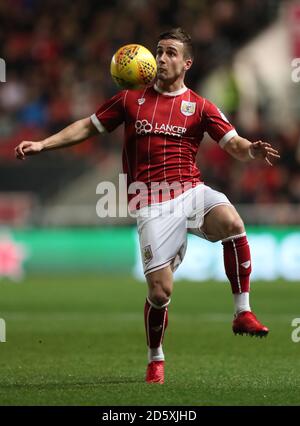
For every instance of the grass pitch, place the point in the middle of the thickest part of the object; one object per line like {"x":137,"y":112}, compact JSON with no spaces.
{"x":81,"y":341}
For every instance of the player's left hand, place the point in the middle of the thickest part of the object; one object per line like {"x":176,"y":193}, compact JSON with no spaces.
{"x":265,"y":151}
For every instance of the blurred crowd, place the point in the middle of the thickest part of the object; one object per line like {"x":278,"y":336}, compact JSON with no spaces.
{"x":58,"y":55}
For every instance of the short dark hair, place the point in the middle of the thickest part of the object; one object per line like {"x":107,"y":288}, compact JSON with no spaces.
{"x":181,"y":35}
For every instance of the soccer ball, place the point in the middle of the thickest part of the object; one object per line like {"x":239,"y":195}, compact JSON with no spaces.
{"x":133,"y":67}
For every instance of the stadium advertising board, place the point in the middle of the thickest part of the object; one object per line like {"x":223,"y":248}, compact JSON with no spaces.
{"x":275,"y":253}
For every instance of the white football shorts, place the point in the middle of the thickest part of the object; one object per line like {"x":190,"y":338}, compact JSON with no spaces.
{"x":163,"y":227}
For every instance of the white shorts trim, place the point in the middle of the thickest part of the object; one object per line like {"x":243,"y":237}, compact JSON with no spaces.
{"x":156,"y":268}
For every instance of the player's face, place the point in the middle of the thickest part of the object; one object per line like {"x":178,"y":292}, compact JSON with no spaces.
{"x":171,"y":63}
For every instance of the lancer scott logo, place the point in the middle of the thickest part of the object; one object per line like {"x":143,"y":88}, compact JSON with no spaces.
{"x":143,"y":127}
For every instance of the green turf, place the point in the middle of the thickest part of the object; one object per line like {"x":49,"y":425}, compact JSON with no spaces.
{"x":80,"y":341}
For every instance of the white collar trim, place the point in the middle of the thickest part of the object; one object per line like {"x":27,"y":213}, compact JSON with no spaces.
{"x":176,"y":93}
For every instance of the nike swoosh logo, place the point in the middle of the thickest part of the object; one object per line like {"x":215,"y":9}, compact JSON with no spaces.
{"x":158,"y":328}
{"x":246,"y":264}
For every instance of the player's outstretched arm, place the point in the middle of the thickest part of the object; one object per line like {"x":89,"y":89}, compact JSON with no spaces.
{"x":70,"y":135}
{"x":244,"y":150}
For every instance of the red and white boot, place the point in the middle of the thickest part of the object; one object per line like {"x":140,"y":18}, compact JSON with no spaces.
{"x":247,"y":323}
{"x":155,"y":372}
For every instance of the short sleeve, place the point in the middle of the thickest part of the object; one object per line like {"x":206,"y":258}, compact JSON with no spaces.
{"x":216,"y":124}
{"x":110,"y":114}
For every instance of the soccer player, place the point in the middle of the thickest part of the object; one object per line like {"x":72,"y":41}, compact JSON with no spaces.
{"x":164,"y":124}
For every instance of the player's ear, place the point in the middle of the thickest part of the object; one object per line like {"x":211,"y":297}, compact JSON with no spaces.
{"x":188,"y":64}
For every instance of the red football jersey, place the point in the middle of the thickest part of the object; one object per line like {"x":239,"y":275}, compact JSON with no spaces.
{"x":163,"y":131}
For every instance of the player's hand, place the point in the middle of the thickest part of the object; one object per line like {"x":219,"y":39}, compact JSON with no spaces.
{"x":265,"y":151}
{"x":26,"y":148}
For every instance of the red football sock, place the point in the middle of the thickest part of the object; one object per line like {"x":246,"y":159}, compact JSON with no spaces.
{"x":156,"y":322}
{"x":237,"y":261}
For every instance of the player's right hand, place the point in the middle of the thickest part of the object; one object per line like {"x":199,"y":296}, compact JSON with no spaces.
{"x":26,"y":148}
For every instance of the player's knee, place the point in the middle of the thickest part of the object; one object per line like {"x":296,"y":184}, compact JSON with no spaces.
{"x":159,"y":298}
{"x":158,"y":294}
{"x":235,"y":226}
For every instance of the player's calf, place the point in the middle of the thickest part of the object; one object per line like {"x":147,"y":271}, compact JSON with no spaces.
{"x":237,"y":262}
{"x":156,"y":322}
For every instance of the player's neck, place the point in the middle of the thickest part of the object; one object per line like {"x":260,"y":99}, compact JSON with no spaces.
{"x":166,"y":86}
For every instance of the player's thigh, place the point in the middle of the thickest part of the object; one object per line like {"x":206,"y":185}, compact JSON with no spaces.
{"x":222,"y":221}
{"x":162,"y":240}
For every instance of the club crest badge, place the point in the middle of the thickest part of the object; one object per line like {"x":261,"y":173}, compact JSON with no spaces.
{"x":147,"y":254}
{"x":188,"y":108}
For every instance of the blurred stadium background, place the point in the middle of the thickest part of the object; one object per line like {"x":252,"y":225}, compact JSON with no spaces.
{"x":57,"y":56}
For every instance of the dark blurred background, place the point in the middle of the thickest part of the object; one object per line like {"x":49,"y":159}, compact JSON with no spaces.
{"x":58,"y":56}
